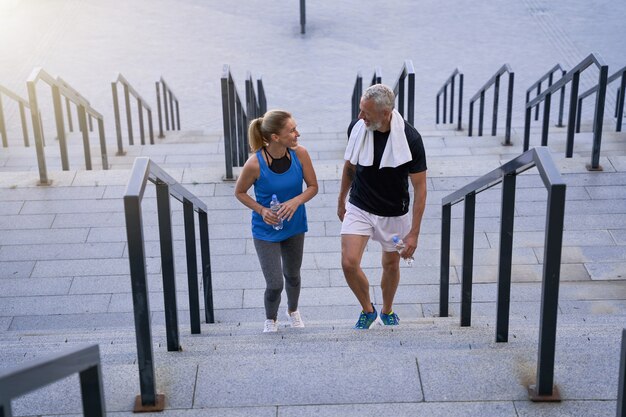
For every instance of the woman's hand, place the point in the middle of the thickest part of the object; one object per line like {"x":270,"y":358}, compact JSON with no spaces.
{"x":269,"y":216}
{"x":288,"y":209}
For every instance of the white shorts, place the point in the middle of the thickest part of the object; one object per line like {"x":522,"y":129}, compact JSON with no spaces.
{"x":379,"y":228}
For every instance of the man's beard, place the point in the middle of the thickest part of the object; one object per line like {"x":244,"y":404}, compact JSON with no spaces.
{"x":374,"y":126}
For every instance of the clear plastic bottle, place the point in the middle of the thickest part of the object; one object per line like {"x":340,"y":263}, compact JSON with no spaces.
{"x":275,"y":206}
{"x":399,"y":244}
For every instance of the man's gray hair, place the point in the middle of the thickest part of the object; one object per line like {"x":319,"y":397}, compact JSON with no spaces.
{"x":382,"y":95}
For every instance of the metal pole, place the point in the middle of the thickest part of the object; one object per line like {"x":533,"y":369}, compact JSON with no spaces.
{"x":226,"y":120}
{"x":158,"y":94}
{"x":444,"y":283}
{"x":150,"y":129}
{"x":92,"y":391}
{"x":192,"y":267}
{"x":496,"y":97}
{"x":561,"y":103}
{"x":58,"y":114}
{"x":598,"y":119}
{"x":3,"y":129}
{"x":507,"y":217}
{"x":129,"y":117}
{"x":620,"y":103}
{"x":471,"y":117}
{"x":571,"y":122}
{"x":142,"y":133}
{"x":459,"y":127}
{"x":546,"y":120}
{"x":167,"y":266}
{"x":82,"y":123}
{"x":451,"y":119}
{"x":302,"y":16}
{"x":103,"y":144}
{"x":509,"y":110}
{"x":116,"y":114}
{"x":24,"y":127}
{"x":621,"y":390}
{"x":207,"y":281}
{"x":468,"y":259}
{"x":141,"y":301}
{"x":411,"y":100}
{"x":481,"y":112}
{"x":37,"y":133}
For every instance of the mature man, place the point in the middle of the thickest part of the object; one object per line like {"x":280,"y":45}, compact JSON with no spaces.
{"x":383,"y":153}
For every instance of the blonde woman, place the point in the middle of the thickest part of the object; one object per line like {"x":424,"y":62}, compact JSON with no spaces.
{"x":278,"y":166}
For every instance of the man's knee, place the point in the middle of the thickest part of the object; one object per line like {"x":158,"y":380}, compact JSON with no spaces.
{"x":391,"y":262}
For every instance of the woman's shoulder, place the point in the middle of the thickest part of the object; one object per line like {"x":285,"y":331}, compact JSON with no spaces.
{"x":300,"y":150}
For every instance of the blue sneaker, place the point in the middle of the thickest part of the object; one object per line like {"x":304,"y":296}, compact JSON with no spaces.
{"x":390,"y":319}
{"x":366,"y":319}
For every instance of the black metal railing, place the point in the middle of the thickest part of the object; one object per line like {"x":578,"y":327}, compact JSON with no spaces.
{"x":574,"y":76}
{"x":443,"y":92}
{"x":536,"y":88}
{"x":236,"y":118}
{"x":621,"y":390}
{"x":23,"y":104}
{"x":494,"y":81}
{"x":404,"y":89}
{"x":619,"y":107}
{"x":38,"y":373}
{"x":357,"y":90}
{"x":143,"y":171}
{"x":61,"y":88}
{"x":507,"y":174}
{"x":141,"y":105}
{"x":171,"y":110}
{"x":302,"y":16}
{"x":255,"y":107}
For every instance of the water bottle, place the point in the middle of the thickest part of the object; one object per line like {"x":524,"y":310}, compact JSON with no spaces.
{"x":399,"y":244}
{"x":274,"y":206}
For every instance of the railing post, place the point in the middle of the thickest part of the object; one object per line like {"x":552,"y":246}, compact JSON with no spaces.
{"x":411,"y":99}
{"x":167,"y":266}
{"x":561,"y":102}
{"x":24,"y":127}
{"x":150,"y":129}
{"x":571,"y":122}
{"x":451,"y":119}
{"x":401,"y":97}
{"x":546,"y":120}
{"x":598,"y":119}
{"x":192,"y":266}
{"x":507,"y":218}
{"x":177,"y":116}
{"x":621,"y":390}
{"x":509,"y":109}
{"x":58,"y":114}
{"x":82,"y":123}
{"x":445,"y":105}
{"x":496,"y":97}
{"x":302,"y":16}
{"x":3,"y":129}
{"x":5,"y":409}
{"x":459,"y":127}
{"x":103,"y":144}
{"x":527,"y":128}
{"x":116,"y":115}
{"x":226,"y":119}
{"x":481,"y":112}
{"x":172,"y":110}
{"x":471,"y":117}
{"x":444,"y":283}
{"x":579,"y":114}
{"x":620,"y":103}
{"x":129,"y":117}
{"x":207,"y":281}
{"x":436,"y":110}
{"x":141,"y":301}
{"x":92,"y":392}
{"x":468,"y":259}
{"x":166,"y":112}
{"x":68,"y":110}
{"x":142,"y":133}
{"x":539,"y":103}
{"x":37,"y":133}
{"x":544,"y":389}
{"x":158,"y":96}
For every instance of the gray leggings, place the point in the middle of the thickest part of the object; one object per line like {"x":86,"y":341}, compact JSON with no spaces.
{"x":270,"y":254}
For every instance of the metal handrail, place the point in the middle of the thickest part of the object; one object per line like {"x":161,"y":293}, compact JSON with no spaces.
{"x":23,"y":103}
{"x":621,"y":389}
{"x":537,"y":87}
{"x":444,"y":91}
{"x":507,"y":174}
{"x":236,"y":118}
{"x":145,"y":170}
{"x":574,"y":76}
{"x":141,"y":104}
{"x":68,"y":107}
{"x":253,"y":104}
{"x":168,"y":111}
{"x":302,"y":16}
{"x":357,"y":91}
{"x":619,"y":108}
{"x":38,"y":373}
{"x":60,"y":88}
{"x":495,"y":81}
{"x":406,"y":73}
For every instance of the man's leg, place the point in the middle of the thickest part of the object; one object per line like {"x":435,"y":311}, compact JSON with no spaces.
{"x":390,"y":279}
{"x":352,"y":247}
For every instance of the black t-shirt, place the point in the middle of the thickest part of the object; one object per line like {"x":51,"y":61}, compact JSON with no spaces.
{"x":385,"y":192}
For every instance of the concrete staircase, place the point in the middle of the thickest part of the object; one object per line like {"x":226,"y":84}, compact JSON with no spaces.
{"x":65,"y":282}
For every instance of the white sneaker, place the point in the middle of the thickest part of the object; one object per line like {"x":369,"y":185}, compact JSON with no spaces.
{"x":294,"y":317}
{"x":271,"y":326}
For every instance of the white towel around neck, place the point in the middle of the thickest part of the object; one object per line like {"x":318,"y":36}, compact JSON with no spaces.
{"x":360,"y":149}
